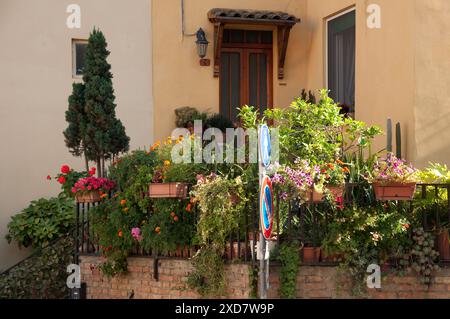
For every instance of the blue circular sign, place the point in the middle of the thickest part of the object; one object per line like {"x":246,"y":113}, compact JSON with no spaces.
{"x":264,"y":145}
{"x":266,"y":207}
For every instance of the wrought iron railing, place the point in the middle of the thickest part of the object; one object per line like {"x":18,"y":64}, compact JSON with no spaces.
{"x":241,"y":244}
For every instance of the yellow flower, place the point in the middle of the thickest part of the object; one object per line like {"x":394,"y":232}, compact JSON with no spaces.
{"x":166,"y":163}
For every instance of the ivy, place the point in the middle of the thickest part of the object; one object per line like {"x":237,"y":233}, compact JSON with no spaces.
{"x":42,"y":276}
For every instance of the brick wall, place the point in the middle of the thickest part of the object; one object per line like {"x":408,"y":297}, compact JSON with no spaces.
{"x":312,"y":282}
{"x":327,"y":282}
{"x":172,"y":282}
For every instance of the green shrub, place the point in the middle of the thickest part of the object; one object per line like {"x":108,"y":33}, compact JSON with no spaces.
{"x":185,"y":116}
{"x":43,"y":276}
{"x":42,"y":222}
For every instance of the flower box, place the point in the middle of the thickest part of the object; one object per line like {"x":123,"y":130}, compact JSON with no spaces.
{"x":314,"y":196}
{"x":168,"y":190}
{"x":443,"y":244}
{"x":317,"y":197}
{"x":88,"y":197}
{"x":311,"y":255}
{"x":336,"y":191}
{"x":394,"y":191}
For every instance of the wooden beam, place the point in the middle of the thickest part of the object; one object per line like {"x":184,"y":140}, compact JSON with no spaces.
{"x":283,"y":39}
{"x":218,"y":35}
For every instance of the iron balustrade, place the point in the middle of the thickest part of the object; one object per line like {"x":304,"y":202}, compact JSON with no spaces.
{"x":238,"y":246}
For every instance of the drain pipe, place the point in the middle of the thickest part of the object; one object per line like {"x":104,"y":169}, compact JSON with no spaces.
{"x":183,"y":28}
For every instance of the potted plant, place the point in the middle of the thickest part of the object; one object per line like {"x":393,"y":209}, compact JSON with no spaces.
{"x":443,"y":243}
{"x":159,"y":189}
{"x":393,"y":179}
{"x":90,"y":189}
{"x":334,"y":181}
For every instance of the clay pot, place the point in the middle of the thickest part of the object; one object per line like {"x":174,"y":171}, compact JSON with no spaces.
{"x":311,"y":255}
{"x":443,"y":245}
{"x":168,"y":190}
{"x":394,"y":191}
{"x":88,"y":197}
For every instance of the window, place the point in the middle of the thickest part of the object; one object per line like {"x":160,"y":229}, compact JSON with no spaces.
{"x":341,"y":60}
{"x":245,"y":71}
{"x":78,"y":57}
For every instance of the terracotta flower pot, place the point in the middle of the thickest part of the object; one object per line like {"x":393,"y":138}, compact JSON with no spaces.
{"x":311,"y":255}
{"x":394,"y":191}
{"x":331,"y":258}
{"x":168,"y":190}
{"x":336,"y":191}
{"x":88,"y":197}
{"x":443,"y":245}
{"x":235,"y":251}
{"x":317,"y":197}
{"x":314,"y":196}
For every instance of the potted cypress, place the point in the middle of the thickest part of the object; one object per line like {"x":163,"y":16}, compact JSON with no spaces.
{"x":393,"y":179}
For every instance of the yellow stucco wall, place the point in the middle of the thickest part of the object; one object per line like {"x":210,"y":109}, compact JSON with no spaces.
{"x":179,"y":80}
{"x":384,"y":63}
{"x":36,"y":80}
{"x":432,"y":80}
{"x":393,"y":65}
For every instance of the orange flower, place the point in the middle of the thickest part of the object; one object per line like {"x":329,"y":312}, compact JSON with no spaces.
{"x":330,"y":166}
{"x":158,"y":230}
{"x":175,"y":218}
{"x":125,"y":209}
{"x":172,"y":214}
{"x":116,"y":195}
{"x":120,"y":234}
{"x":103,"y":196}
{"x":192,"y":200}
{"x":346,"y":170}
{"x":340,"y":162}
{"x":123,"y":202}
{"x":188,"y":207}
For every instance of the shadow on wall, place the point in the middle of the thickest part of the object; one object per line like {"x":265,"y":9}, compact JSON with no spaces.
{"x":433,"y":139}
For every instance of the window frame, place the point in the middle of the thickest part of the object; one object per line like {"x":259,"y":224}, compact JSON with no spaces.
{"x":327,"y":20}
{"x":74,"y":57}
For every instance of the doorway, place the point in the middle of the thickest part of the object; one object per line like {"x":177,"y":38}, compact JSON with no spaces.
{"x":245,"y":71}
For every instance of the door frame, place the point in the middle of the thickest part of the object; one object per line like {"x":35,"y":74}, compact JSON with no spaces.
{"x":244,"y":53}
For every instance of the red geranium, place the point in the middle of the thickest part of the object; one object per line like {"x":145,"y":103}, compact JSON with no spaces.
{"x":65,"y":169}
{"x":62,"y":180}
{"x":92,"y":171}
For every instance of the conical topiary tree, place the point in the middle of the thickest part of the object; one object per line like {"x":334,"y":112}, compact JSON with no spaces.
{"x":75,"y":116}
{"x":103,"y":134}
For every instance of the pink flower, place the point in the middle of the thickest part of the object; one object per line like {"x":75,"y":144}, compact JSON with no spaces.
{"x":136,"y":233}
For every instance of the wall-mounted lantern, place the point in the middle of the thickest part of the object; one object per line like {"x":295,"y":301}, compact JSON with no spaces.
{"x":202,"y":47}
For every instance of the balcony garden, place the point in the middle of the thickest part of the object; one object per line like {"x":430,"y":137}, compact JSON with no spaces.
{"x":337,"y":201}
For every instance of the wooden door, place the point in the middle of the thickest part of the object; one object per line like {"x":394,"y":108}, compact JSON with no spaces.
{"x":245,"y":75}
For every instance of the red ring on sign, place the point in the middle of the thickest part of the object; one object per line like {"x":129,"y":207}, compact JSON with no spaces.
{"x":266,"y":207}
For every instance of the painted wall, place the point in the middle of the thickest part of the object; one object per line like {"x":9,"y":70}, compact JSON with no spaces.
{"x":179,"y":80}
{"x":432,"y":80}
{"x":36,"y":80}
{"x":384,"y":62}
{"x":400,"y":68}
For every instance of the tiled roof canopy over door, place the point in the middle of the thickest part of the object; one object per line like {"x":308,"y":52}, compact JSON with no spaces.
{"x":243,"y":58}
